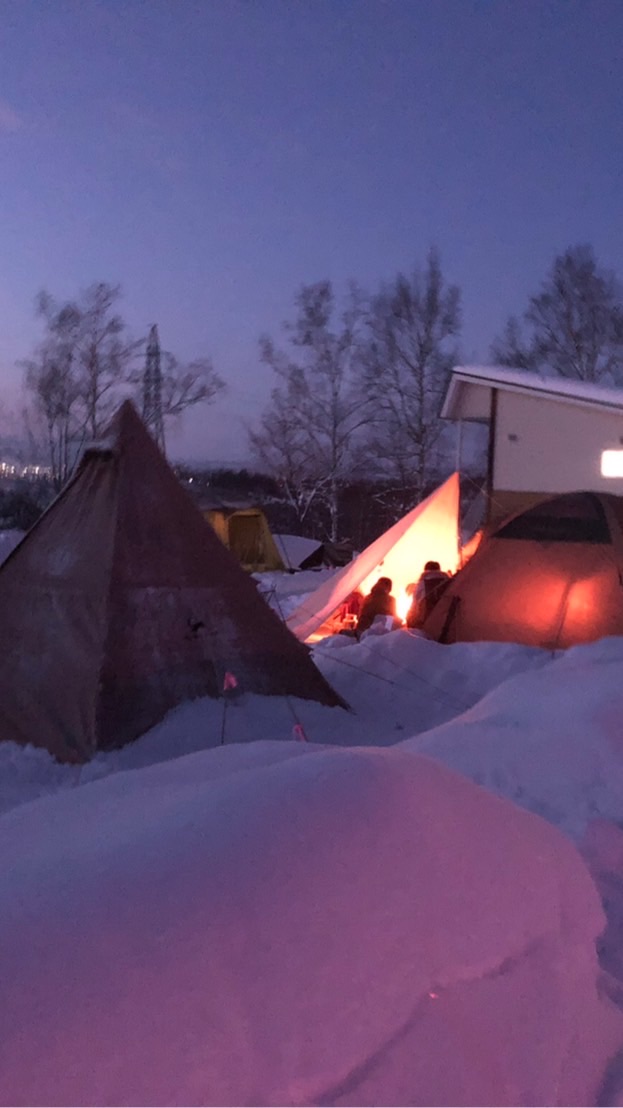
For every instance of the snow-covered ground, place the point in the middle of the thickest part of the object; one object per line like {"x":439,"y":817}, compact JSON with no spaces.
{"x":279,"y":921}
{"x":397,"y":686}
{"x":294,"y":925}
{"x":540,"y":729}
{"x":285,"y":591}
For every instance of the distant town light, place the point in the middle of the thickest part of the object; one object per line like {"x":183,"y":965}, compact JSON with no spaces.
{"x":13,"y":470}
{"x":612,"y":463}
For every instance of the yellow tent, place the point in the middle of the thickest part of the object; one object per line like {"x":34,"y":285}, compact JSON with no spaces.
{"x":245,"y":532}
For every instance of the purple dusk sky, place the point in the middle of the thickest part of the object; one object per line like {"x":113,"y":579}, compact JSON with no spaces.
{"x":213,"y":155}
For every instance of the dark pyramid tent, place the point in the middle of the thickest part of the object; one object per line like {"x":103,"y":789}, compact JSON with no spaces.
{"x":121,"y":602}
{"x":551,"y":576}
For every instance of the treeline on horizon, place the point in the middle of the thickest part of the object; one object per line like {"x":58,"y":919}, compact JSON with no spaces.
{"x":351,"y":436}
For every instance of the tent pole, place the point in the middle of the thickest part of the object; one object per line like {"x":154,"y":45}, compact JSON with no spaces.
{"x":459,"y":447}
{"x":491,"y":452}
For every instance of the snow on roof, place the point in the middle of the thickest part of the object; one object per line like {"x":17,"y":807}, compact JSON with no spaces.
{"x":217,"y":504}
{"x":526,"y":381}
{"x":294,"y":549}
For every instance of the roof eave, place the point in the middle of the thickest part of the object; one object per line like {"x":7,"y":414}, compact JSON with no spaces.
{"x":450,"y":407}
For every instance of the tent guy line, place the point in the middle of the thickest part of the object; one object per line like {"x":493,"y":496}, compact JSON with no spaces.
{"x":436,"y":692}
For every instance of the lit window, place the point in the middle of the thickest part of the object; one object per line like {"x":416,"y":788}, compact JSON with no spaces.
{"x":612,"y":463}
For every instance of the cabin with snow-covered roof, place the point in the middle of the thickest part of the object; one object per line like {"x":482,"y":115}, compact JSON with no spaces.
{"x":547,"y":435}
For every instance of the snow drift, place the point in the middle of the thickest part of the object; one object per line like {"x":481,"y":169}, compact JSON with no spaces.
{"x":283,"y":924}
{"x":548,"y":738}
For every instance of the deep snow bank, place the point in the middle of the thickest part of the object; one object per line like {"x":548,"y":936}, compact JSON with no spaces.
{"x":280,"y":924}
{"x":549,"y":739}
{"x":403,"y":681}
{"x":397,"y":685}
{"x":285,"y":591}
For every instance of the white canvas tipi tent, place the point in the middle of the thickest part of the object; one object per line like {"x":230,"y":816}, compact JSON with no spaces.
{"x":429,"y":531}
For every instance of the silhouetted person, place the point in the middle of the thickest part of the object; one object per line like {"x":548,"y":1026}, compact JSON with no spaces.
{"x":378,"y":602}
{"x":427,"y":592}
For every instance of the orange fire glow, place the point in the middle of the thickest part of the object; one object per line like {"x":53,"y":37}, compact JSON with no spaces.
{"x":403,"y":603}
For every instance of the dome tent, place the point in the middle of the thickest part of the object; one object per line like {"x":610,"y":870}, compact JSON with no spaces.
{"x":550,"y":576}
{"x":121,"y":603}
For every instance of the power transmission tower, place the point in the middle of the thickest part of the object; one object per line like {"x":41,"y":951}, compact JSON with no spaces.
{"x":152,"y":389}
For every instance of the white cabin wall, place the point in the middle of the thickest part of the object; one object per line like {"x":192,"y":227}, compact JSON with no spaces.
{"x":557,"y":445}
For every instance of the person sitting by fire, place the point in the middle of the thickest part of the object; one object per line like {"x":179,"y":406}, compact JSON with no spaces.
{"x":378,"y":602}
{"x":426,"y":593}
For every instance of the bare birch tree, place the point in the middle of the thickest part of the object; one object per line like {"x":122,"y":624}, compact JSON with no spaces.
{"x":280,"y":446}
{"x":85,"y":364}
{"x":105,"y":354}
{"x":77,"y":372}
{"x":52,"y":379}
{"x":309,"y":435}
{"x":187,"y":384}
{"x":573,"y":326}
{"x":413,"y":325}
